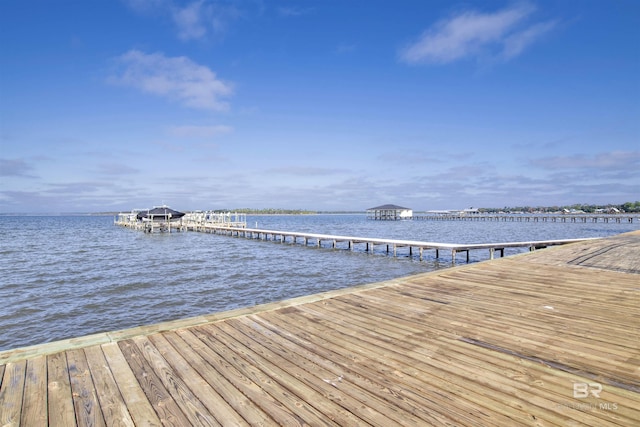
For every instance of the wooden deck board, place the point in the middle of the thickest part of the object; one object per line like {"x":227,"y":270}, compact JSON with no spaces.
{"x":383,"y":359}
{"x":606,"y":254}
{"x":11,"y":393}
{"x":340,"y":365}
{"x":352,"y":397}
{"x":410,"y":358}
{"x":139,"y":406}
{"x":281,"y":395}
{"x":166,"y":406}
{"x":59,"y":396}
{"x":209,"y":397}
{"x":498,"y":343}
{"x":114,"y":408}
{"x":240,"y":393}
{"x":85,"y":400}
{"x":191,"y":406}
{"x":34,"y":408}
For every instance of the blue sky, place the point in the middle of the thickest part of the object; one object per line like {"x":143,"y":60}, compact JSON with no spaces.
{"x":324,"y":105}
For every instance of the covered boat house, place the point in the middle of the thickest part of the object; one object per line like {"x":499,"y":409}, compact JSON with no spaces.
{"x":159,"y":213}
{"x":160,"y":218}
{"x":389,"y":213}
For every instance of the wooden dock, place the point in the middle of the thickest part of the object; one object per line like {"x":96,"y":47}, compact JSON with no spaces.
{"x":577,"y":218}
{"x":388,"y":246}
{"x":195,"y":221}
{"x":368,"y":244}
{"x":549,"y":338}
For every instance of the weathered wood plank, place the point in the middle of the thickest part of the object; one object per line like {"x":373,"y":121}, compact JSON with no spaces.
{"x":550,"y":313}
{"x":187,"y":401}
{"x":487,"y":277}
{"x":60,"y":400}
{"x":231,"y":405}
{"x":544,"y":380}
{"x":412,"y":363}
{"x":138,"y":405}
{"x":114,"y":408}
{"x":353,"y":317}
{"x":85,"y":401}
{"x":161,"y":400}
{"x":350,"y":390}
{"x":34,"y":407}
{"x":290,"y":377}
{"x":497,"y":317}
{"x":606,"y":254}
{"x":492,"y":301}
{"x":11,"y":392}
{"x":338,"y":367}
{"x":335,"y":388}
{"x":423,"y":389}
{"x":582,"y":355}
{"x":283,"y":392}
{"x":520,"y":284}
{"x":216,"y":405}
{"x":245,"y":396}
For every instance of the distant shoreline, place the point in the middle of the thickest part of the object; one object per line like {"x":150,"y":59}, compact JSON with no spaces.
{"x":116,"y":213}
{"x":611,"y":208}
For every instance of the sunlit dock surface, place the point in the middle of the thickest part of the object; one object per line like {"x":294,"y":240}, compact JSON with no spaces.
{"x":550,"y":337}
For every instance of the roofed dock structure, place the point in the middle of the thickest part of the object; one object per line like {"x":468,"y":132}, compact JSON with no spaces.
{"x":389,"y":213}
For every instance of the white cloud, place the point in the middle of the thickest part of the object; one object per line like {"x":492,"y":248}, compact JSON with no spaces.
{"x":200,"y":131}
{"x":306,"y":171}
{"x":201,"y":17}
{"x":116,"y":169}
{"x":295,"y":11}
{"x":415,"y":157}
{"x":502,"y":34}
{"x":517,"y":42}
{"x":615,"y":160}
{"x":190,"y":21}
{"x":15,"y":167}
{"x":193,"y":21}
{"x":177,"y":78}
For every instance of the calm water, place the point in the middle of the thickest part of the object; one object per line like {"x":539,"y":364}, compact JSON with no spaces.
{"x":68,"y":276}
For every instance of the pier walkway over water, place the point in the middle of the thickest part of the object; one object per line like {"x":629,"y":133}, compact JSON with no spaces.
{"x":369,"y":244}
{"x":577,"y":218}
{"x":232,"y":227}
{"x":539,"y":339}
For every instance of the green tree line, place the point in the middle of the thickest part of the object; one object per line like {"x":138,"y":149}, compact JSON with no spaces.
{"x":269,"y":211}
{"x":628,"y":207}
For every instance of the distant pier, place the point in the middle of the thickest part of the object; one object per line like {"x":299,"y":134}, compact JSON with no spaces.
{"x":194,"y":221}
{"x":235,"y":225}
{"x":388,"y":246}
{"x":578,"y":218}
